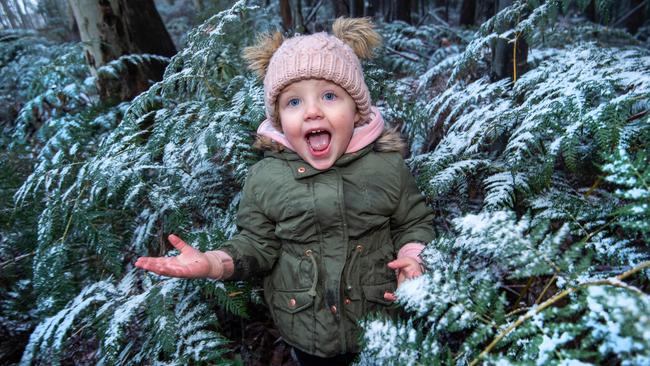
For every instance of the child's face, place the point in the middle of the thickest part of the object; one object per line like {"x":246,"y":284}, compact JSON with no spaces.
{"x":317,"y":118}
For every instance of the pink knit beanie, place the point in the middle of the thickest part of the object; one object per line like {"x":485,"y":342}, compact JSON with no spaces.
{"x":317,"y":56}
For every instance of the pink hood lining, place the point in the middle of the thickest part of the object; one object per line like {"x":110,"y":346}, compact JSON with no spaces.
{"x":362,"y":136}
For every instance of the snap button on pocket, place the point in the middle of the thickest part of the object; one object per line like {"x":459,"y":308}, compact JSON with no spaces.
{"x":359,"y":248}
{"x":301,"y":169}
{"x":347,"y":301}
{"x":292,"y":303}
{"x":333,"y":309}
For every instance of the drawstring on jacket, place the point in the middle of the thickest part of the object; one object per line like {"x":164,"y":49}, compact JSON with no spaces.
{"x":357,"y":250}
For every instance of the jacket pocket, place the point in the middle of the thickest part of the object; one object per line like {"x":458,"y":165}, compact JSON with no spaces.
{"x":293,"y":315}
{"x":292,"y":301}
{"x":375,"y":293}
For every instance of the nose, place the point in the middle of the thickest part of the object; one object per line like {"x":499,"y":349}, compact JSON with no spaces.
{"x":313,"y":111}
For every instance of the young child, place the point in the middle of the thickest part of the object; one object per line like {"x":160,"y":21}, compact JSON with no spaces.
{"x":326,"y":212}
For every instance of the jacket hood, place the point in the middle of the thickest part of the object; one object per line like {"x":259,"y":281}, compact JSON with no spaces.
{"x":270,"y":138}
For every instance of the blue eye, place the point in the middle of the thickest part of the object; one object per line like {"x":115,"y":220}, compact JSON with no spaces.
{"x":329,"y":96}
{"x":293,"y":102}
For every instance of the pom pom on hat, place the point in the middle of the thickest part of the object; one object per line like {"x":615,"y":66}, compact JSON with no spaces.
{"x":258,"y":56}
{"x":359,"y":34}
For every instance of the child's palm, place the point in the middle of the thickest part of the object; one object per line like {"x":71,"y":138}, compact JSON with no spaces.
{"x":191,"y":263}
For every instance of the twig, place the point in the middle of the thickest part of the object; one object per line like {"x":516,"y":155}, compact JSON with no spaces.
{"x":638,"y":115}
{"x":516,"y":311}
{"x":593,"y":186}
{"x":591,"y":234}
{"x":408,"y":57}
{"x":616,"y":281}
{"x":422,"y":19}
{"x":525,"y":290}
{"x":313,"y":12}
{"x":438,"y":18}
{"x":79,"y":331}
{"x":624,"y":17}
{"x":548,"y":285}
{"x":14,"y":260}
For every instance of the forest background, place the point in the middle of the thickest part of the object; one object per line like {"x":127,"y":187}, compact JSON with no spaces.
{"x":527,"y":123}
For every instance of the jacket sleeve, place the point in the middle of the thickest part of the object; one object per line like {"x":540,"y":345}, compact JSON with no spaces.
{"x":412,"y":220}
{"x":255,"y":248}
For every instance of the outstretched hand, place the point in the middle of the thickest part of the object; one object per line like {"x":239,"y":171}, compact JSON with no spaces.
{"x":406,"y":268}
{"x":191,"y":263}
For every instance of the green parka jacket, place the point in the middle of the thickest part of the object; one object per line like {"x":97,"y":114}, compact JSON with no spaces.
{"x":323,"y":239}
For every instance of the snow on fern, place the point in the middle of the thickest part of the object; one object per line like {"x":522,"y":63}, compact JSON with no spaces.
{"x":633,"y":176}
{"x":380,"y":340}
{"x":501,"y":188}
{"x":52,"y":332}
{"x":114,"y":179}
{"x":621,"y":321}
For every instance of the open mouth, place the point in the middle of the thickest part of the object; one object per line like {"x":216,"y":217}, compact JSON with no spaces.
{"x":318,"y":140}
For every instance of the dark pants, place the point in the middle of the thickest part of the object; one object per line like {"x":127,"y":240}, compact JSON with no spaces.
{"x":305,"y":359}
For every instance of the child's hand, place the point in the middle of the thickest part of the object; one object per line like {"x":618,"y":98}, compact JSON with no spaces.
{"x":191,"y":263}
{"x":406,"y":268}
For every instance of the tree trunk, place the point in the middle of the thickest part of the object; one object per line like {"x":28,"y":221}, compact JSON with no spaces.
{"x":485,"y":11}
{"x":113,"y":28}
{"x":285,"y":14}
{"x":403,"y":11}
{"x":71,"y":23}
{"x":59,"y":14}
{"x":508,"y":59}
{"x":372,"y":7}
{"x":590,"y":12}
{"x":22,"y":13}
{"x":356,"y":8}
{"x":386,"y":6}
{"x":340,"y":8}
{"x":467,"y":13}
{"x":9,"y":14}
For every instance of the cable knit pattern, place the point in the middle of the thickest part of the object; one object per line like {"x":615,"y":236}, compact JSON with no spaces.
{"x":316,"y":56}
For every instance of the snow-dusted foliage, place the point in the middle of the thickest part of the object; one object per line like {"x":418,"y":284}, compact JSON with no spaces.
{"x":36,"y":82}
{"x":414,"y":50}
{"x":633,"y":178}
{"x":179,"y":324}
{"x":115,"y":179}
{"x":542,"y":189}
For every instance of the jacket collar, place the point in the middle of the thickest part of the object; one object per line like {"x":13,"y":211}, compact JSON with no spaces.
{"x":361,"y":143}
{"x":301,"y":169}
